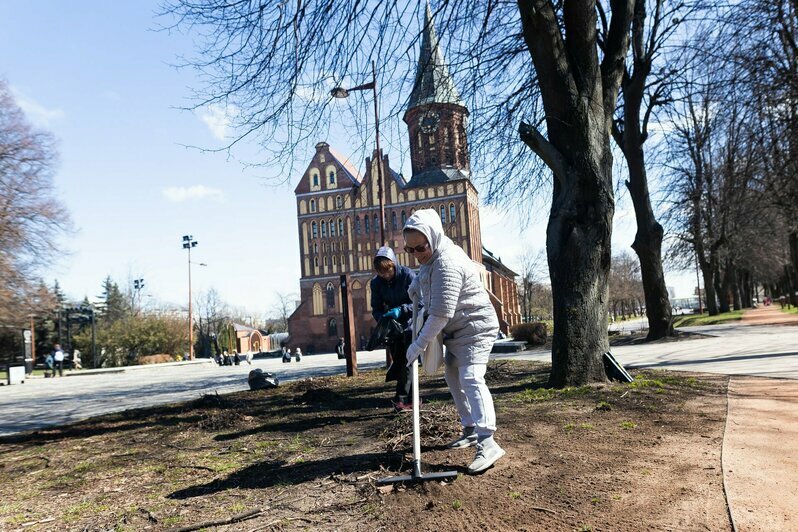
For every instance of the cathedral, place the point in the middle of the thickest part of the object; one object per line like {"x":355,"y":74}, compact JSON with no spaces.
{"x":338,"y":211}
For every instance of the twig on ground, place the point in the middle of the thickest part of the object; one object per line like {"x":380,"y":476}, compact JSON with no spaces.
{"x":541,"y":509}
{"x":207,"y":524}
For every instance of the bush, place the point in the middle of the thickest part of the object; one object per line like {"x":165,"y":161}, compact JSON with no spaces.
{"x":531,"y":333}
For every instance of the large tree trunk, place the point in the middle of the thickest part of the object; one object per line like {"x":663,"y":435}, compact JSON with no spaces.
{"x":709,"y":287}
{"x":578,"y":249}
{"x":648,"y":239}
{"x":721,"y":288}
{"x":648,"y":246}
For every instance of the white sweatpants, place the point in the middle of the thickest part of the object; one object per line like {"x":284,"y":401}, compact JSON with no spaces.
{"x":472,"y":397}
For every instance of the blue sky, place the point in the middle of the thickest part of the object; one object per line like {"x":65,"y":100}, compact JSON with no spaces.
{"x":97,"y":76}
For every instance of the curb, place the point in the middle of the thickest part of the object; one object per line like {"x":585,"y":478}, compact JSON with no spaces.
{"x":137,"y":367}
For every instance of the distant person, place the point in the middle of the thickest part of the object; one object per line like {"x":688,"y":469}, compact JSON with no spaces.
{"x":298,"y":354}
{"x":286,"y":355}
{"x":339,"y":349}
{"x":234,"y":356}
{"x":249,"y":357}
{"x":58,"y":359}
{"x":76,"y":361}
{"x":49,"y":361}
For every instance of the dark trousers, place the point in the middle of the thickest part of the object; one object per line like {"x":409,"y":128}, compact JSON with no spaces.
{"x":404,"y":384}
{"x":60,"y":367}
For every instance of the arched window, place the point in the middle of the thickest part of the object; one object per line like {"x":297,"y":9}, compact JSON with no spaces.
{"x":330,"y":295}
{"x":323,"y":229}
{"x":404,"y":218}
{"x":332,"y":227}
{"x":357,"y":225}
{"x":312,"y":205}
{"x":325,"y":262}
{"x":343,"y":263}
{"x":332,"y":327}
{"x":332,"y":177}
{"x":443,"y":214}
{"x":366,"y":226}
{"x":315,"y":180}
{"x":393,"y":221}
{"x":340,"y":227}
{"x":316,"y":262}
{"x":315,"y":247}
{"x":335,"y":257}
{"x":376,"y":224}
{"x":452,"y":214}
{"x":314,"y":229}
{"x":339,"y":203}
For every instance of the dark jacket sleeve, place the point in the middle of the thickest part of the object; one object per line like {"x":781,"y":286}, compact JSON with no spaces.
{"x":377,"y":303}
{"x":407,"y":308}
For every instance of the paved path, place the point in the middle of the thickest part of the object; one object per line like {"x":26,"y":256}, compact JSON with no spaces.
{"x":770,"y":315}
{"x":45,"y":402}
{"x":760,"y":453}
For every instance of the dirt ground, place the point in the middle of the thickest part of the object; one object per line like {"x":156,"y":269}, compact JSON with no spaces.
{"x":643,"y":456}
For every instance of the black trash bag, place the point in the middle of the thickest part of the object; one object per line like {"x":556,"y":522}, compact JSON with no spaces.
{"x":386,"y":334}
{"x":261,"y":380}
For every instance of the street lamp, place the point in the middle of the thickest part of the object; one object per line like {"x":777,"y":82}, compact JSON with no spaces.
{"x":138,"y":285}
{"x":340,"y":92}
{"x":188,"y":243}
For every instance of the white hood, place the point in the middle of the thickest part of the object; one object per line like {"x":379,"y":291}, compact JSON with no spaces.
{"x":428,"y":223}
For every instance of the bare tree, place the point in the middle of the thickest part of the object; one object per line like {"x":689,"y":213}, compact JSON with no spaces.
{"x":31,"y":218}
{"x":530,"y":285}
{"x":283,"y":308}
{"x":540,"y":59}
{"x":643,"y":90}
{"x":212,"y":315}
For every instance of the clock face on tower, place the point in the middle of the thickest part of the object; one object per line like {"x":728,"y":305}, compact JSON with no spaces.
{"x":428,"y":122}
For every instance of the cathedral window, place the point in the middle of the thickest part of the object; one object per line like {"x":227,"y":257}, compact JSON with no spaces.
{"x":314,"y":229}
{"x":339,"y":203}
{"x":393,"y":221}
{"x":340,"y":227}
{"x":357,"y":225}
{"x":376,"y":223}
{"x":404,"y":218}
{"x":323,"y":229}
{"x":330,"y":293}
{"x":332,"y":177}
{"x":312,"y":205}
{"x":315,"y":178}
{"x":443,"y":214}
{"x":332,"y":228}
{"x":315,"y":247}
{"x":325,"y":262}
{"x":366,"y":226}
{"x":452,"y":216}
{"x":316,"y":262}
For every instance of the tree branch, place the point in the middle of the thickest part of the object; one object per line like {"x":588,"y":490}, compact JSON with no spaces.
{"x":545,"y":150}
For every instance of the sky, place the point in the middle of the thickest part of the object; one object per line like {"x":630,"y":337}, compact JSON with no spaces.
{"x":100,"y":78}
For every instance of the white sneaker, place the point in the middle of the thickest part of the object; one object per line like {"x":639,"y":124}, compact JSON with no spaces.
{"x":488,"y":452}
{"x":467,"y":439}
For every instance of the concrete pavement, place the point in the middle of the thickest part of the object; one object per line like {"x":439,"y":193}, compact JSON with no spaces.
{"x":47,"y":402}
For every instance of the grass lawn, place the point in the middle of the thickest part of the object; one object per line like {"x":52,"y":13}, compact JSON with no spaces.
{"x":706,"y":319}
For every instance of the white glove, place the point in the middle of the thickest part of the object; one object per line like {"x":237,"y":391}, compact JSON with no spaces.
{"x":413,"y":352}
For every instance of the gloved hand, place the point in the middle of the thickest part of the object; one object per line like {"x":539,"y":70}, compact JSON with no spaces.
{"x":393,"y":313}
{"x":413,"y":352}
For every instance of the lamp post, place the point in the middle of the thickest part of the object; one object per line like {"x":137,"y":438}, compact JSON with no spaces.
{"x":138,"y":285}
{"x":340,"y":92}
{"x":188,"y":243}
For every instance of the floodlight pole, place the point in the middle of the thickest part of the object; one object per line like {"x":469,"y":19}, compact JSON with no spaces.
{"x":188,"y":243}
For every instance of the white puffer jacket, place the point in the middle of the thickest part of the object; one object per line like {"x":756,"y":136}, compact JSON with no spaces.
{"x":451,"y":289}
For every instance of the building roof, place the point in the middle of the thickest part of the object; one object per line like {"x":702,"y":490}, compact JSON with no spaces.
{"x":495,"y":262}
{"x":436,"y":176}
{"x":346,"y":164}
{"x":433,"y":83}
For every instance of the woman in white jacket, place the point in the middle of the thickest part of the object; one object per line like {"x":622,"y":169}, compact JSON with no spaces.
{"x":456,"y":303}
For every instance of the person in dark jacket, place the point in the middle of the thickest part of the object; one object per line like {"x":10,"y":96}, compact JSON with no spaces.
{"x":389,"y":298}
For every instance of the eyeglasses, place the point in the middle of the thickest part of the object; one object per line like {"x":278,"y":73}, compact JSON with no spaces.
{"x":417,"y":249}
